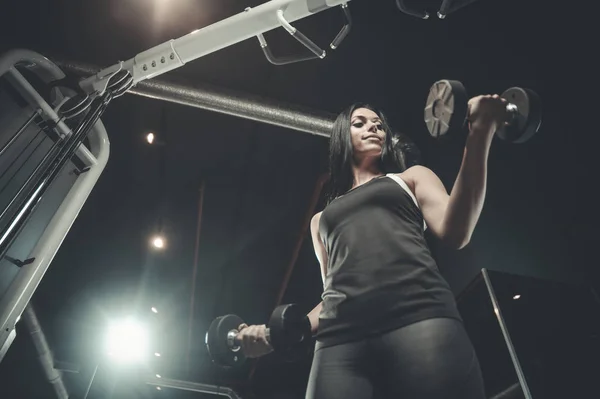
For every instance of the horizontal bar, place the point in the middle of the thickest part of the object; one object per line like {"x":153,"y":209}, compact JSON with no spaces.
{"x":224,"y":101}
{"x":192,"y":387}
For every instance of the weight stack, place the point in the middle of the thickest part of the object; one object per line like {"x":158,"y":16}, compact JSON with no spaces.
{"x":534,"y":338}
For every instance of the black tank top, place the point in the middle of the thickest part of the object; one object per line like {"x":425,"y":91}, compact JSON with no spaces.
{"x":380,"y":272}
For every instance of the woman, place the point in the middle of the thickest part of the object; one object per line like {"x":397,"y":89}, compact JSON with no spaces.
{"x":388,"y":323}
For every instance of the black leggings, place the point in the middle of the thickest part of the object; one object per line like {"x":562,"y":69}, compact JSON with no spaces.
{"x":431,"y":359}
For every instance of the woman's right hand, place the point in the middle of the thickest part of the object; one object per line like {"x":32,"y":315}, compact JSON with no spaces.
{"x":253,"y":340}
{"x":487,"y":113}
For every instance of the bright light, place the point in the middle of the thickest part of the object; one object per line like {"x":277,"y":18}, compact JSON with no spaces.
{"x":159,"y":388}
{"x":158,"y":376}
{"x":127,"y":341}
{"x":154,"y":310}
{"x":150,"y":138}
{"x":158,"y":242}
{"x":157,"y":354}
{"x":516,"y":297}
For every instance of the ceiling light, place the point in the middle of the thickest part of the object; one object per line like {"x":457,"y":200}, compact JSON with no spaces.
{"x":127,"y":341}
{"x":158,"y":242}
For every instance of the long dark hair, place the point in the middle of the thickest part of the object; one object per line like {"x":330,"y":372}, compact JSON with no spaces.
{"x":392,"y":160}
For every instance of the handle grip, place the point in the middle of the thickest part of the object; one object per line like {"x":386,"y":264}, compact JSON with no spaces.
{"x":511,"y":110}
{"x":235,"y":343}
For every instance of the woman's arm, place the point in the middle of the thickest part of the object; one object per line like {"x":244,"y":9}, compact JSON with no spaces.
{"x":313,"y":316}
{"x":453,"y":217}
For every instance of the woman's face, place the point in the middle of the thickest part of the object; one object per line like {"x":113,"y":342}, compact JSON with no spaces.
{"x":367,"y":134}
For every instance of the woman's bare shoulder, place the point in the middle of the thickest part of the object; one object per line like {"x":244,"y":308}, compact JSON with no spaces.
{"x":314,"y":222}
{"x":412,"y":174}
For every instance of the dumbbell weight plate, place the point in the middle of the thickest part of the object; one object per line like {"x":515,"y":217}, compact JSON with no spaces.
{"x":217,"y":343}
{"x":446,"y":107}
{"x":527,"y":119}
{"x":288,"y":326}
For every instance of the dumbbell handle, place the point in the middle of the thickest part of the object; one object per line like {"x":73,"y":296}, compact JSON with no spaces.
{"x":512,"y":110}
{"x":234,"y":343}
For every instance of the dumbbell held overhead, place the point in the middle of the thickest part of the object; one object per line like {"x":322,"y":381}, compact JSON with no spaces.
{"x":446,"y":111}
{"x":287,"y":327}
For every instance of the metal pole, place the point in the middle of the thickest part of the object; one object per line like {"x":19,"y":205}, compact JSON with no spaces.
{"x":87,"y":391}
{"x":45,"y":356}
{"x":508,"y":340}
{"x":193,"y":387}
{"x":224,"y":101}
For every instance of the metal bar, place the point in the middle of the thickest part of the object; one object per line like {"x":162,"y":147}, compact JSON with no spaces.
{"x":401,"y":4}
{"x":66,"y":367}
{"x":281,"y":60}
{"x":504,"y":328}
{"x":225,"y":101}
{"x":18,"y":133}
{"x":345,"y":29}
{"x":89,"y":387}
{"x":45,"y":356}
{"x":195,"y":271}
{"x":38,"y":64}
{"x":14,"y":161}
{"x":7,"y":342}
{"x":237,"y":28}
{"x":296,"y":34}
{"x":193,"y":387}
{"x":512,"y":392}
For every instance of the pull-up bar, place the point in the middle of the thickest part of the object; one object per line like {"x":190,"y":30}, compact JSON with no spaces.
{"x":253,"y":22}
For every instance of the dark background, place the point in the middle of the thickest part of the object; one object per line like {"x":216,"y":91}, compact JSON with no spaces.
{"x":539,"y":218}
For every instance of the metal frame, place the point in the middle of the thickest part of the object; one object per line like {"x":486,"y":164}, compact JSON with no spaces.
{"x":506,"y":334}
{"x":19,"y":293}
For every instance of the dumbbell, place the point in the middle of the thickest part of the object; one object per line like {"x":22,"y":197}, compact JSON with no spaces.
{"x":446,"y":111}
{"x":288,"y":326}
